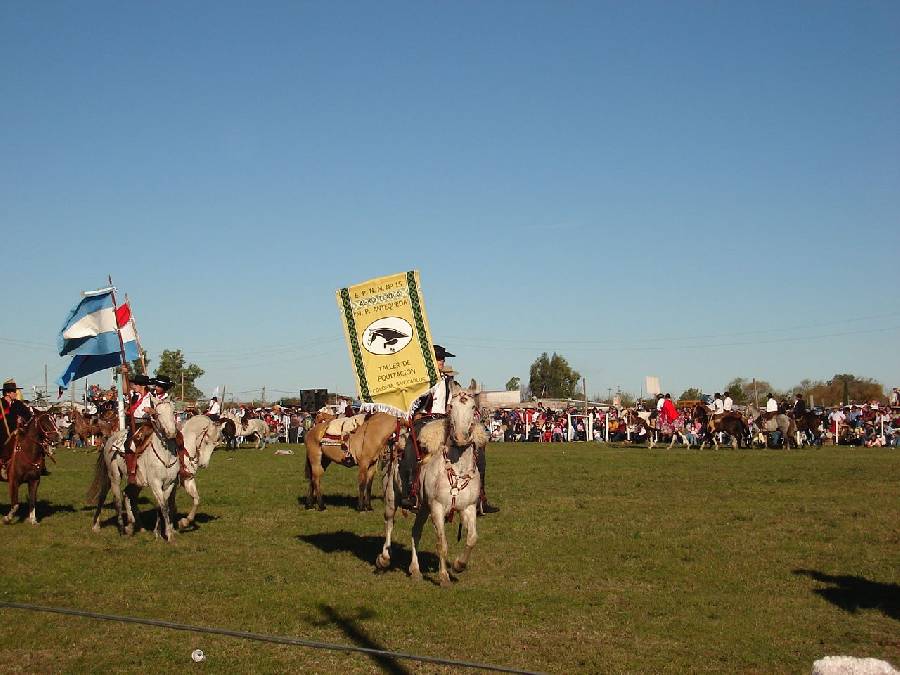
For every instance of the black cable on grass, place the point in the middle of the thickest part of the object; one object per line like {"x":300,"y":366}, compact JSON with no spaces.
{"x":262,"y":637}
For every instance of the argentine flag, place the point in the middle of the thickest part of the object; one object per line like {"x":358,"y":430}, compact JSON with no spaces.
{"x":90,"y":334}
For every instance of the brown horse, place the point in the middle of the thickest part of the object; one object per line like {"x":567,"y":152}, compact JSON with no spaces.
{"x":27,"y":448}
{"x":102,"y":426}
{"x":732,"y":424}
{"x":377,"y":433}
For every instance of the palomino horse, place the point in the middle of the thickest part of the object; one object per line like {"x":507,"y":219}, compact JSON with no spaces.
{"x":157,"y":468}
{"x":199,"y":438}
{"x":448,"y":482}
{"x":364,"y":446}
{"x":27,"y":447}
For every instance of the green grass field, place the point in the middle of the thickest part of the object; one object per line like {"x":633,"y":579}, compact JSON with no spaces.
{"x":601,"y":560}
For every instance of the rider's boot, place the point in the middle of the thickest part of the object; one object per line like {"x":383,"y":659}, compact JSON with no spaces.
{"x":409,"y":500}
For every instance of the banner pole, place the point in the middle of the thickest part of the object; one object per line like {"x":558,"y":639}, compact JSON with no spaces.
{"x":125,"y":384}
{"x":137,"y":336}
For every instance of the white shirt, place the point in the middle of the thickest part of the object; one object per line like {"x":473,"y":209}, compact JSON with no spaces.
{"x":659,"y":404}
{"x":771,"y":405}
{"x":213,"y":408}
{"x":439,"y":396}
{"x":719,"y":406}
{"x":142,"y":409}
{"x":729,"y":403}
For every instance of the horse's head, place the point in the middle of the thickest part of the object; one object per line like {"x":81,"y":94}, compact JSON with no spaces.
{"x":165,"y":416}
{"x":462,"y":413}
{"x":205,"y":451}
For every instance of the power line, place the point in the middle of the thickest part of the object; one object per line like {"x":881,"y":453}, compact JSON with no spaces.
{"x":262,"y":637}
{"x":632,"y":340}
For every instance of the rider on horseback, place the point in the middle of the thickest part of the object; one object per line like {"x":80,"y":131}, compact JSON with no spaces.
{"x":138,"y":412}
{"x":12,"y":410}
{"x":430,"y":406}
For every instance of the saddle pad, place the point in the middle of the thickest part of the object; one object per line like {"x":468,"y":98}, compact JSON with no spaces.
{"x":343,"y":426}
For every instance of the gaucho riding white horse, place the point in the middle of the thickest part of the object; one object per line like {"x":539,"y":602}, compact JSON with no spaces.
{"x":251,"y":427}
{"x":448,"y":481}
{"x":157,"y":468}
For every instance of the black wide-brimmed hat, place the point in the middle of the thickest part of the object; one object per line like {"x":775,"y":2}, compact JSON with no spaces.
{"x":440,"y":353}
{"x":162,"y":381}
{"x":142,"y":380}
{"x":10,"y":385}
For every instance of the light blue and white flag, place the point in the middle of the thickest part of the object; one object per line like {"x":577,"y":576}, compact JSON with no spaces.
{"x":90,"y":328}
{"x":83,"y":365}
{"x":91,"y":334}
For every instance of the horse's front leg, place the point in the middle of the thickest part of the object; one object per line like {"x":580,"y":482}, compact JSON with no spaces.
{"x":437,"y":519}
{"x":163,"y":521}
{"x":32,"y":500}
{"x":469,"y":518}
{"x":417,"y":527}
{"x":190,"y":486}
{"x":13,"y":495}
{"x":130,"y":508}
{"x":383,"y":561}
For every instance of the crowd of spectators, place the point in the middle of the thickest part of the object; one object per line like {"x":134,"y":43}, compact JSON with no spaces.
{"x":868,"y":424}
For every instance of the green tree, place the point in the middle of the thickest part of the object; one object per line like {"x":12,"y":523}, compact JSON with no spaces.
{"x":172,"y":365}
{"x":552,"y":377}
{"x":744,"y":391}
{"x":846,"y":388}
{"x":690,"y":394}
{"x":513,"y":384}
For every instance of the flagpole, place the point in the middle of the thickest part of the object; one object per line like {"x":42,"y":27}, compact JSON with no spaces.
{"x":125,"y":384}
{"x":137,"y":336}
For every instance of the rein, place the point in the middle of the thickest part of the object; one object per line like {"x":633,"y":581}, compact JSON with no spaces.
{"x":458,"y":483}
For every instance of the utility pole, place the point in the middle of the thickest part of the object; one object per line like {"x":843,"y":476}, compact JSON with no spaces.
{"x":755,"y":395}
{"x":264,"y":394}
{"x":609,"y":395}
{"x":182,"y":385}
{"x":584,"y":384}
{"x":46,"y":386}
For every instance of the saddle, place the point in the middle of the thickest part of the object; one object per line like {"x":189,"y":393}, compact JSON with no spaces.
{"x":141,"y":438}
{"x":338,"y":432}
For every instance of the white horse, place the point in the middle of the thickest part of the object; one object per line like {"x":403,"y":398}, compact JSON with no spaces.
{"x":157,"y":468}
{"x":252,"y":426}
{"x":200,"y":436}
{"x":448,"y":482}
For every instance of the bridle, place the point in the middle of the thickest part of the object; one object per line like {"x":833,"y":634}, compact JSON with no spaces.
{"x":462,"y":397}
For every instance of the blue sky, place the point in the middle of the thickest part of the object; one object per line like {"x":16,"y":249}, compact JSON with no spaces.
{"x":696,"y":190}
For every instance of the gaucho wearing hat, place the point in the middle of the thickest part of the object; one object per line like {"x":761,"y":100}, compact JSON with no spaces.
{"x":13,"y":411}
{"x":432,"y":405}
{"x":138,"y":411}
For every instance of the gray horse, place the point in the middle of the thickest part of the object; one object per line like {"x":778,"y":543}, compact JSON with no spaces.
{"x":157,"y":468}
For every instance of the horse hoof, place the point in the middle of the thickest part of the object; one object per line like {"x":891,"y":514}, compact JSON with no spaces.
{"x":445,"y":581}
{"x":459,"y":566}
{"x":416,"y":575}
{"x":6,"y":520}
{"x":95,"y":527}
{"x":183,"y":523}
{"x":382,"y":562}
{"x":321,"y":507}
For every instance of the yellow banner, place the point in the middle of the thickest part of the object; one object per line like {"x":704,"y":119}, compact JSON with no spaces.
{"x":389,"y":341}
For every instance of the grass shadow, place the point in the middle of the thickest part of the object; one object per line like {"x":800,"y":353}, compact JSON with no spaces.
{"x":852,"y":593}
{"x":346,"y":501}
{"x":43,"y":509}
{"x":367,"y":548}
{"x":350,"y":625}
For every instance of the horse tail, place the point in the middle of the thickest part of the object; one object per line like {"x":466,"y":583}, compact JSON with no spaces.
{"x":100,"y":483}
